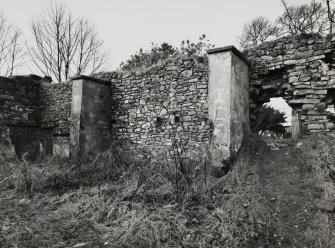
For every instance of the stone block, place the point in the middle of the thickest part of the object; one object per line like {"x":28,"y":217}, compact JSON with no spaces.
{"x":307,"y":107}
{"x":318,"y":126}
{"x":171,"y":68}
{"x":186,"y":73}
{"x":330,"y":125}
{"x":303,"y":101}
{"x":290,"y":62}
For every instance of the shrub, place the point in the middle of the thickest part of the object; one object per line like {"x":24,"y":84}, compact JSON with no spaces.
{"x":146,"y":58}
{"x":268,"y":118}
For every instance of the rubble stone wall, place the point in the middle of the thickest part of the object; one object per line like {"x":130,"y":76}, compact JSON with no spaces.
{"x":168,"y":102}
{"x":56,"y":107}
{"x":301,"y":69}
{"x":161,"y":104}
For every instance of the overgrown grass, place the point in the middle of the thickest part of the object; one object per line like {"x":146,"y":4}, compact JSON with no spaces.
{"x":317,"y":154}
{"x":130,"y":198}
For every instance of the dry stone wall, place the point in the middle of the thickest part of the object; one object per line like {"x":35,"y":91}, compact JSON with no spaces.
{"x":161,"y":104}
{"x":301,"y":69}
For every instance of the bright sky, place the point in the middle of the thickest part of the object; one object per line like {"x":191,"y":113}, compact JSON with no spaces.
{"x":128,"y":25}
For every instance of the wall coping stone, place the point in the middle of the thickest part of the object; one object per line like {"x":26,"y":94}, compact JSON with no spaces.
{"x":91,"y":79}
{"x":229,"y":48}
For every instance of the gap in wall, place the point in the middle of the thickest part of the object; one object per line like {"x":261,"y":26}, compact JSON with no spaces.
{"x":280,"y":104}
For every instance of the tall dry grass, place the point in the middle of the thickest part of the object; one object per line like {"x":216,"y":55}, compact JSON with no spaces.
{"x":317,"y":154}
{"x":164,"y":201}
{"x":133,"y":198}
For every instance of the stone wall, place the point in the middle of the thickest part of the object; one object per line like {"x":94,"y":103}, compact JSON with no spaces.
{"x":161,"y":104}
{"x":301,"y":70}
{"x":56,"y":107}
{"x":170,"y":101}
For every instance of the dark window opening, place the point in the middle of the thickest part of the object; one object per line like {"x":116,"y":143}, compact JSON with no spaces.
{"x":159,"y":122}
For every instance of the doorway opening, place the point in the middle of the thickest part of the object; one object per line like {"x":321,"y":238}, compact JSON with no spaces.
{"x":274,"y":119}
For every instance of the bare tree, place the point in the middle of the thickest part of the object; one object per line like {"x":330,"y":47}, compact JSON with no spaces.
{"x":88,"y":56}
{"x":257,"y":31}
{"x":330,"y":15}
{"x":11,"y":49}
{"x":65,"y":46}
{"x":307,"y":18}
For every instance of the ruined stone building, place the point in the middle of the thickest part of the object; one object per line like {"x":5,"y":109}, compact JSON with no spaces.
{"x":179,"y":100}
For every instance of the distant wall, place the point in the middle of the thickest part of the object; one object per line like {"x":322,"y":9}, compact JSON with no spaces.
{"x":56,"y":101}
{"x":56,"y":107}
{"x":19,"y":100}
{"x":35,"y":112}
{"x":20,"y":112}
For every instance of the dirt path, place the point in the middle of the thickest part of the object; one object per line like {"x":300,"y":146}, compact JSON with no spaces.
{"x":288,"y":186}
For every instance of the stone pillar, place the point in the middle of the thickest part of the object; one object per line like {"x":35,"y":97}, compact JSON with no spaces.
{"x":228,"y":99}
{"x":90,"y":117}
{"x":296,"y":125}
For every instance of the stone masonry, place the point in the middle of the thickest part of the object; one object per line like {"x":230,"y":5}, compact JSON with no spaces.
{"x":301,"y":70}
{"x":161,"y":104}
{"x":172,"y":101}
